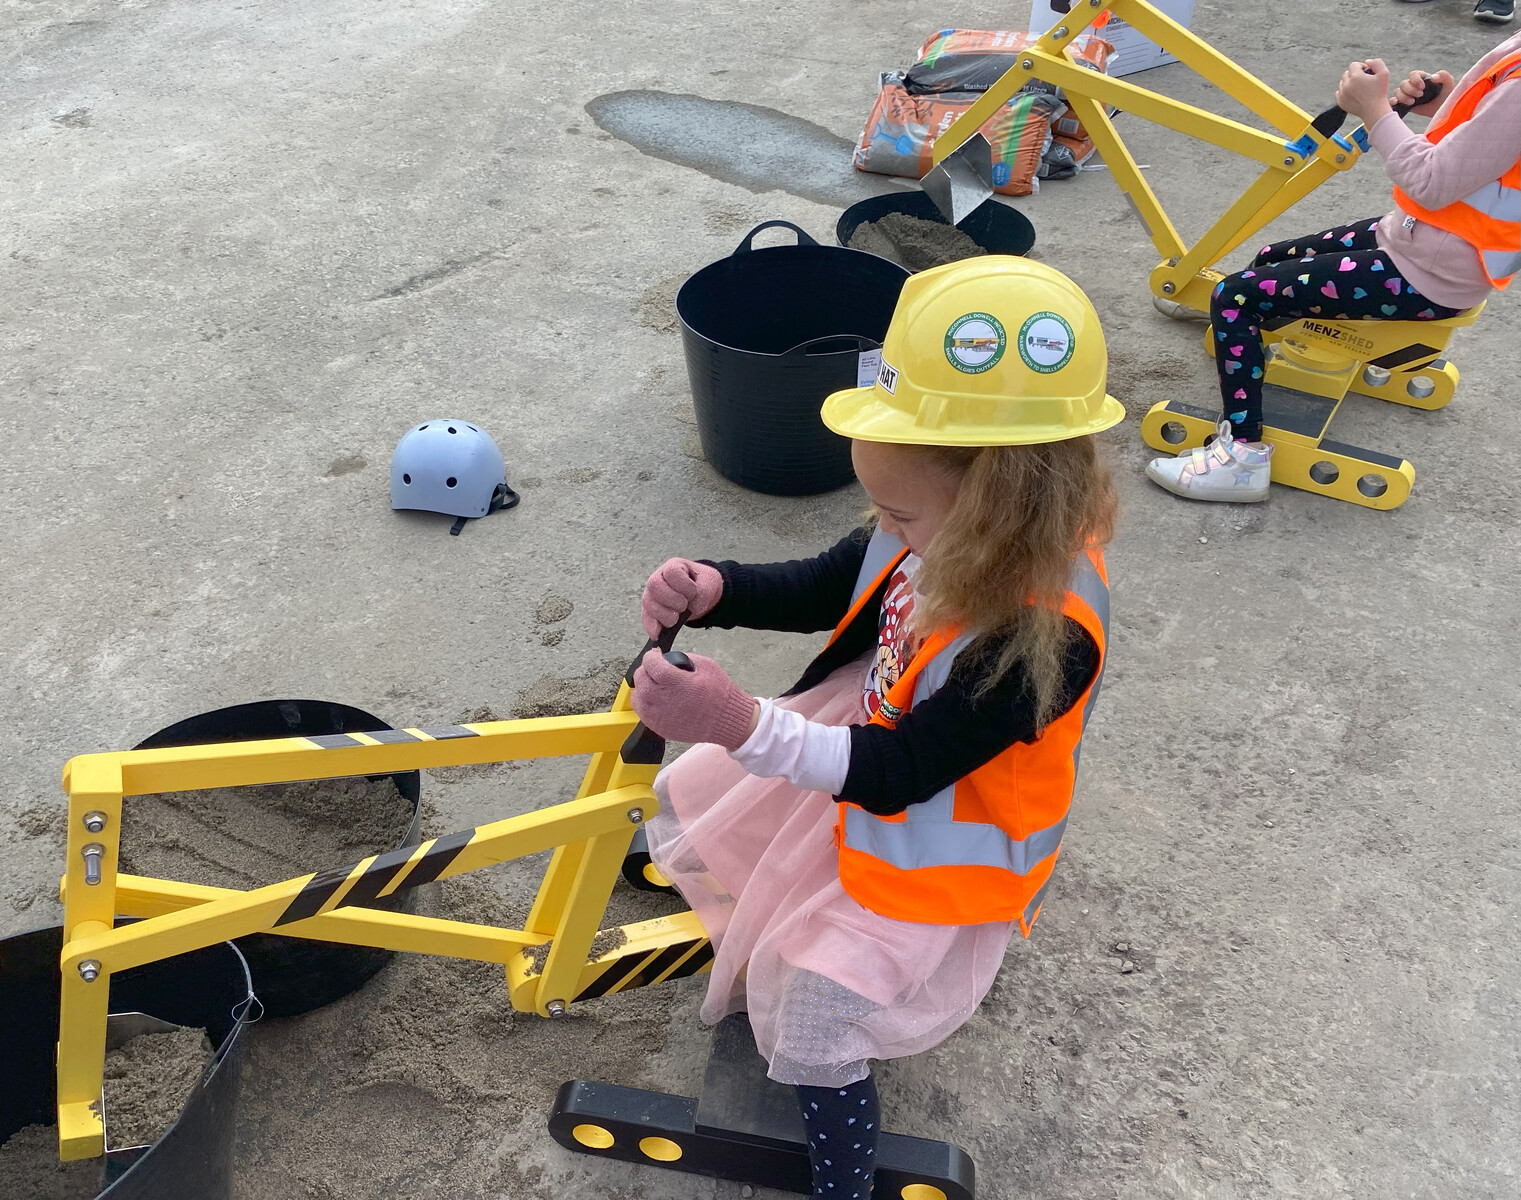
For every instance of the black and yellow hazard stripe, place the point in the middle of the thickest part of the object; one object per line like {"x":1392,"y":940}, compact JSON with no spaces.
{"x":389,"y":737}
{"x":398,"y":865}
{"x":658,"y":966}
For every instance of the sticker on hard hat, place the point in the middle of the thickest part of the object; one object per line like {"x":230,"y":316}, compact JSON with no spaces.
{"x":1045,"y":342}
{"x":975,"y":342}
{"x":887,"y":376}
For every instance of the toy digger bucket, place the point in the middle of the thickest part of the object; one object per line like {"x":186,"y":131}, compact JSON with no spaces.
{"x":962,"y":180}
{"x":206,"y":989}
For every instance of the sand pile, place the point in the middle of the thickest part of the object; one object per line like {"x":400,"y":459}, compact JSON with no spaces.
{"x":146,"y":1082}
{"x":913,"y":242}
{"x":552,"y":696}
{"x":416,"y":1084}
{"x":244,"y":837}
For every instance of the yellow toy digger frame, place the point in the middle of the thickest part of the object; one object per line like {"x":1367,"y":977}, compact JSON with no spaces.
{"x":1322,"y":360}
{"x":589,"y":835}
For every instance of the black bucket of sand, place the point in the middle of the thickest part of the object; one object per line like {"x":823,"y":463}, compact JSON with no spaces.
{"x":248,"y":837}
{"x":173,"y":1063}
{"x":769,"y":333}
{"x":906,"y":228}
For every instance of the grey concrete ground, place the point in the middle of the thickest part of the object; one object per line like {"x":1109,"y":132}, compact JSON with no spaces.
{"x":243,"y":246}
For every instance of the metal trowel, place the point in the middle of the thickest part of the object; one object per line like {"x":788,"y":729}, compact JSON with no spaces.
{"x":962,"y":180}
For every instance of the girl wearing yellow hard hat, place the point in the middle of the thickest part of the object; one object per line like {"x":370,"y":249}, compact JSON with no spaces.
{"x":862,"y":849}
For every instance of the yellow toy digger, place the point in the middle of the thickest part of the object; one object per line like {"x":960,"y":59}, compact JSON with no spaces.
{"x":743,"y":1128}
{"x":1312,"y":365}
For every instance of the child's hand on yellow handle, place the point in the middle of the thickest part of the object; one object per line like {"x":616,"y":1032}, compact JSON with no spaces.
{"x":1364,"y":90}
{"x":1413,"y":87}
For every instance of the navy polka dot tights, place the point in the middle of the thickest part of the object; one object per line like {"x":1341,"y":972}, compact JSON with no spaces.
{"x":842,"y":1125}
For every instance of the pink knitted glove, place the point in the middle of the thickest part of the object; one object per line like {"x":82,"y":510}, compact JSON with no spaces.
{"x":700,"y":705}
{"x":679,"y":586}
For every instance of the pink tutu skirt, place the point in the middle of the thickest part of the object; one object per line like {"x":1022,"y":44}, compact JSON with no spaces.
{"x":827,"y":983}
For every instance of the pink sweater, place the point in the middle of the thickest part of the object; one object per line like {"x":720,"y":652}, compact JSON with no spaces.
{"x":1442,"y":265}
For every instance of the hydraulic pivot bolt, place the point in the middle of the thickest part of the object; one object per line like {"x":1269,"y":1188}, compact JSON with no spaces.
{"x":89,"y":970}
{"x":95,"y":821}
{"x":635,"y":816}
{"x":555,"y":1008}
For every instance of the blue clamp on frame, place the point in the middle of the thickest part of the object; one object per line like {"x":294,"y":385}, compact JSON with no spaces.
{"x":1360,"y":136}
{"x":1304,"y":147}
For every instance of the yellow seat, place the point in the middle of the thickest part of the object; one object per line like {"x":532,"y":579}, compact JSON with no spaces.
{"x":1311,"y":366}
{"x":1399,"y":361}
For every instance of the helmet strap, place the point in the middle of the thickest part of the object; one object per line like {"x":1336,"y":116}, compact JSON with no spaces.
{"x":502,"y":498}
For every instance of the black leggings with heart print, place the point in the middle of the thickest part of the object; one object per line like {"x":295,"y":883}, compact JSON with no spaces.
{"x":1340,"y":274}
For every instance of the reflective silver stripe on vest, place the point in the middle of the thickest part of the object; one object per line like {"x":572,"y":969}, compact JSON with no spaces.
{"x":1036,"y":901}
{"x":1089,"y":587}
{"x":920,"y":843}
{"x":880,"y":551}
{"x":1501,"y":264}
{"x":1500,"y":202}
{"x":929,"y":835}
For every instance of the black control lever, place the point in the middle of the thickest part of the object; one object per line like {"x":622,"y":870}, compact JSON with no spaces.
{"x":1335,"y":117}
{"x":645,"y":746}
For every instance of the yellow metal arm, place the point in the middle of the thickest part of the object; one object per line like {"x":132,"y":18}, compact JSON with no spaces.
{"x":1296,"y":159}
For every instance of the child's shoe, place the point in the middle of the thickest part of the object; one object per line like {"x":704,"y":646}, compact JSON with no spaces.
{"x":1227,"y":469}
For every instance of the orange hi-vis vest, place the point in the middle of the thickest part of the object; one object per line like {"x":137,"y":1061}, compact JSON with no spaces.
{"x":1489,"y":219}
{"x":983,"y":848}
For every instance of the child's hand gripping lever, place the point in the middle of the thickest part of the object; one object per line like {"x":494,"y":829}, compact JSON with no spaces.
{"x":644,"y":746}
{"x":1335,"y":117}
{"x":688,"y":699}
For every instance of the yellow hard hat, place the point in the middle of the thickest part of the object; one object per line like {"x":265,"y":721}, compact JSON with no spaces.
{"x":991,"y":351}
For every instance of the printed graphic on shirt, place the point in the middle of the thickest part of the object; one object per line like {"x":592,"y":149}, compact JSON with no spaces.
{"x":1045,"y":342}
{"x":975,"y":342}
{"x":896,"y":643}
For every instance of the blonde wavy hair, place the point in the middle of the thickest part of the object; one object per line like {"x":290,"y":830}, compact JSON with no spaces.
{"x":1001,"y":562}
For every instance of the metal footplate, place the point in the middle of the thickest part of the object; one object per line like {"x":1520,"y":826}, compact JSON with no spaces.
{"x":745,"y":1128}
{"x":1304,"y":457}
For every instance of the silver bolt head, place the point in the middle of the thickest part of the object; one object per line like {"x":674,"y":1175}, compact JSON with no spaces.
{"x":1288,"y":162}
{"x":1169,"y":288}
{"x":89,"y":970}
{"x":1061,"y":31}
{"x":635,"y":816}
{"x":95,"y":820}
{"x":1027,"y":63}
{"x":555,"y":1008}
{"x":1341,"y":158}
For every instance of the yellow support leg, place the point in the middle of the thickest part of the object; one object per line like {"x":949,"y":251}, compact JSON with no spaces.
{"x":1303,"y":456}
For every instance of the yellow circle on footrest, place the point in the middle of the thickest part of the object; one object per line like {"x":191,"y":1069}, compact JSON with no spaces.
{"x":592,"y":1135}
{"x":661,"y":1149}
{"x":922,"y":1191}
{"x":652,"y":874}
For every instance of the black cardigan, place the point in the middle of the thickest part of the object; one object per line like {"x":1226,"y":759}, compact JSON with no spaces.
{"x":939,"y":740}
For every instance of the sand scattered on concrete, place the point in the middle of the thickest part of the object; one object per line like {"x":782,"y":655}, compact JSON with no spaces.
{"x":553,"y":696}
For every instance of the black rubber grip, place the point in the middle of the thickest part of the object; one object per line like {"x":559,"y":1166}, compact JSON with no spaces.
{"x":1335,"y":117}
{"x":679,"y":660}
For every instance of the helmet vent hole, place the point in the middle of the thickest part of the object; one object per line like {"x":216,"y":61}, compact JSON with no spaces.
{"x":452,"y":429}
{"x":406,"y":479}
{"x":451,"y":481}
{"x":472,"y":428}
{"x":420,"y":428}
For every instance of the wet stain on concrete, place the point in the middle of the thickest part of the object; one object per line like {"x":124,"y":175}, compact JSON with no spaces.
{"x":754,"y":147}
{"x":345,"y":464}
{"x":431,"y":278}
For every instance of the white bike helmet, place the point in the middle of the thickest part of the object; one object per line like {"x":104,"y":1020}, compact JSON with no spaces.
{"x":449,"y":467}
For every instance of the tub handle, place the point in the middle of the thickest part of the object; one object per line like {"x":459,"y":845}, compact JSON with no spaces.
{"x":838,"y":343}
{"x":802,"y":236}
